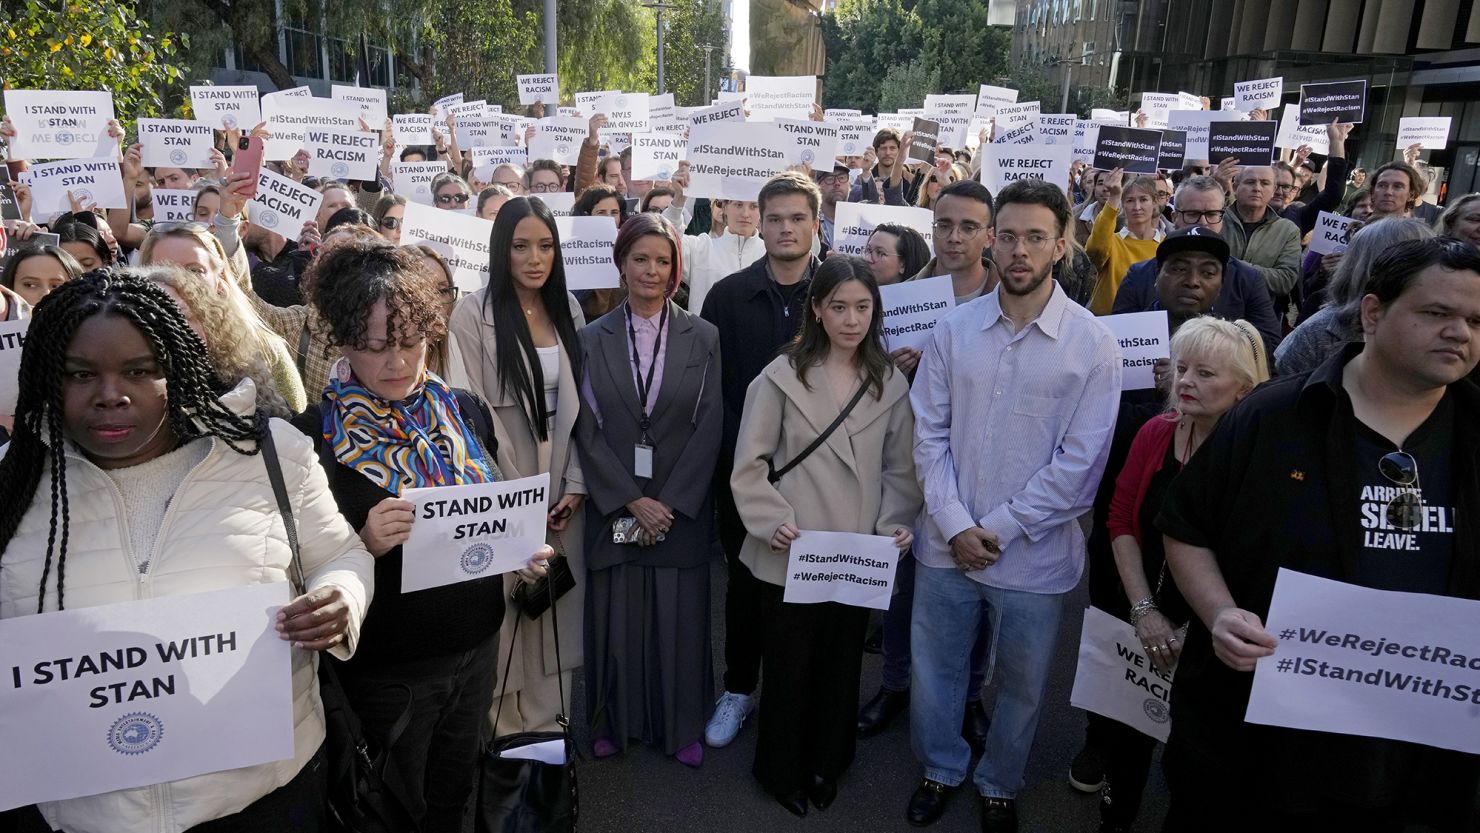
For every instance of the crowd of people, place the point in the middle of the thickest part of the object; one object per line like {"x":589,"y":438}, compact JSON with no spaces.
{"x":1004,"y":459}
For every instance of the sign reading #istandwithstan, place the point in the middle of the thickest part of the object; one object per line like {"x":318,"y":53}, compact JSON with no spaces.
{"x":91,"y":181}
{"x":586,"y":250}
{"x":370,"y":99}
{"x":12,"y":339}
{"x":655,"y":156}
{"x":781,"y":96}
{"x":1258,"y":95}
{"x":1250,"y":143}
{"x":1375,"y":663}
{"x":342,"y":154}
{"x":814,"y":143}
{"x":282,"y":206}
{"x":1332,"y":233}
{"x":173,"y":205}
{"x":175,"y":143}
{"x":1131,"y":149}
{"x":989,"y":98}
{"x":732,"y":161}
{"x":539,"y":89}
{"x":841,"y":567}
{"x":461,"y":240}
{"x":1143,"y":338}
{"x":1430,"y":131}
{"x":462,"y":533}
{"x":925,"y":138}
{"x":1010,"y":163}
{"x":229,"y":108}
{"x":139,"y":693}
{"x":52,"y":124}
{"x":855,"y":221}
{"x":289,"y":118}
{"x":1344,"y":101}
{"x":913,"y":308}
{"x":1173,"y":149}
{"x":1115,"y":678}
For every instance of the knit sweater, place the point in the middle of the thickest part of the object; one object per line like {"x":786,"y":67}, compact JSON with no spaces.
{"x":147,"y":490}
{"x":1113,"y":256}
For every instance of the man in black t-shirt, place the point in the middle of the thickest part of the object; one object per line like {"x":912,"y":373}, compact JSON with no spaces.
{"x":1365,"y":471}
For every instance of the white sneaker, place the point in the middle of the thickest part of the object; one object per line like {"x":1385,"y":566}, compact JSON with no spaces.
{"x":730,"y":711}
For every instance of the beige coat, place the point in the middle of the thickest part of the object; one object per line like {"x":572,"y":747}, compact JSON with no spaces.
{"x":861,"y":480}
{"x":518,"y":456}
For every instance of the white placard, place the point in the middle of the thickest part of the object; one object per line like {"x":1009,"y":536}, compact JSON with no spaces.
{"x":898,"y":121}
{"x":840,"y":114}
{"x":814,"y":143}
{"x":138,"y":693}
{"x":1013,"y":116}
{"x":559,"y":138}
{"x":1026,"y":134}
{"x":1332,"y":233}
{"x":371,"y":101}
{"x":854,"y":139}
{"x":536,"y":89}
{"x":662,"y":113}
{"x":1143,"y":338}
{"x":303,"y":91}
{"x":475,"y":109}
{"x":413,"y":180}
{"x":1086,"y":136}
{"x":1189,"y":101}
{"x":1056,"y":129}
{"x":1008,"y":163}
{"x":1158,"y":106}
{"x":282,"y":206}
{"x":439,"y":107}
{"x":1229,"y":103}
{"x":12,"y":340}
{"x":586,"y":249}
{"x":229,"y":108}
{"x":655,"y":156}
{"x":989,"y":98}
{"x":54,"y":124}
{"x":91,"y":181}
{"x":1195,"y":124}
{"x":1264,"y":94}
{"x":479,"y":132}
{"x":461,"y":239}
{"x":855,"y":221}
{"x":342,"y":154}
{"x":488,"y":160}
{"x":1430,"y":131}
{"x":413,"y":129}
{"x":953,"y":113}
{"x":772,"y":97}
{"x":173,"y":205}
{"x":560,"y":203}
{"x":476,"y":531}
{"x":732,"y":161}
{"x":625,"y":113}
{"x":175,"y":143}
{"x":1115,"y":678}
{"x":1110,"y":118}
{"x":289,"y":118}
{"x":841,"y":567}
{"x":1375,"y":663}
{"x":913,"y":308}
{"x":1293,"y":134}
{"x":733,"y":111}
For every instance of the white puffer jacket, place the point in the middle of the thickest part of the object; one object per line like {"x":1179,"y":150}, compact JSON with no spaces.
{"x":222,"y":530}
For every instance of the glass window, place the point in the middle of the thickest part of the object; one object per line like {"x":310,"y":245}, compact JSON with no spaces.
{"x":380,"y":66}
{"x":341,"y":62}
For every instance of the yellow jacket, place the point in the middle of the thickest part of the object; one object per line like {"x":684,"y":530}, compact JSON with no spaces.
{"x":1113,"y":256}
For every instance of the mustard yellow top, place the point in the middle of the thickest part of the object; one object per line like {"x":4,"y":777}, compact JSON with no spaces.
{"x":1112,"y":255}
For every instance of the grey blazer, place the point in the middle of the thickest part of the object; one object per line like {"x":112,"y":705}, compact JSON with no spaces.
{"x":686,"y":426}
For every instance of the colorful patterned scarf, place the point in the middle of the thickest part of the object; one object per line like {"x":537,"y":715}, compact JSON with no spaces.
{"x":416,"y":442}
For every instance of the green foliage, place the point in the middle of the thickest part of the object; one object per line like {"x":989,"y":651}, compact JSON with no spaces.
{"x":473,"y":36}
{"x":693,"y":23}
{"x":603,"y":44}
{"x":906,"y":85}
{"x":92,"y":45}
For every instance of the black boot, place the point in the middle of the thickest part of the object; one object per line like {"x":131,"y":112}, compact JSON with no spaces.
{"x":878,"y":713}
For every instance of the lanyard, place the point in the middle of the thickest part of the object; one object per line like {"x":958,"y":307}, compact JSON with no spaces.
{"x":645,"y":386}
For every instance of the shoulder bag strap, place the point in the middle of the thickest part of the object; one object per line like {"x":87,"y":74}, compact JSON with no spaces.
{"x":776,"y":474}
{"x":560,"y":717}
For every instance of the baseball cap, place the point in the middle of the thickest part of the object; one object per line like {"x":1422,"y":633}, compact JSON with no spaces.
{"x":1193,"y":239}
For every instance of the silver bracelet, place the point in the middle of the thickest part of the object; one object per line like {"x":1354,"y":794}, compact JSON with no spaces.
{"x":1141,"y":608}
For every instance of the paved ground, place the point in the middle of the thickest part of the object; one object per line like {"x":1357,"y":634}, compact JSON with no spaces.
{"x":645,"y":791}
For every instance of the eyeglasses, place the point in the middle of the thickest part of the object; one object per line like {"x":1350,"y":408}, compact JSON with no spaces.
{"x":1290,"y":187}
{"x":451,"y":293}
{"x":945,"y":228}
{"x":460,"y":198}
{"x":1405,"y":511}
{"x":1163,"y":195}
{"x":545,"y":188}
{"x":1008,"y":241}
{"x":1201,"y":218}
{"x":390,"y":223}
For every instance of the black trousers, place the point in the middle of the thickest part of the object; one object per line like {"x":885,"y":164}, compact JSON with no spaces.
{"x":1127,"y":767}
{"x":742,"y":601}
{"x":809,"y":710}
{"x":434,"y":765}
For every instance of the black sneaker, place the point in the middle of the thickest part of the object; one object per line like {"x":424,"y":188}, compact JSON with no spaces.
{"x":1087,"y":772}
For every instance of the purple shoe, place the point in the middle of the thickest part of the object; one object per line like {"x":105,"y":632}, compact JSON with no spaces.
{"x":691,"y":756}
{"x":603,"y":748}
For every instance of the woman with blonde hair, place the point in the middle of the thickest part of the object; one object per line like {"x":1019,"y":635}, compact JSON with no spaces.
{"x":1113,"y":252}
{"x":939,"y":178}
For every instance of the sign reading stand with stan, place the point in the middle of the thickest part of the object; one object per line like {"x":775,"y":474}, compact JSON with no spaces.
{"x":52,"y":124}
{"x":479,"y":530}
{"x":841,"y":567}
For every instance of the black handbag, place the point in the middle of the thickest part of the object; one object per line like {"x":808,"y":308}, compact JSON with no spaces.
{"x":517,"y":795}
{"x":534,"y":598}
{"x":358,"y":797}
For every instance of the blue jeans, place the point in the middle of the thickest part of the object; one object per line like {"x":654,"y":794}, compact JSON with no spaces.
{"x":896,"y":647}
{"x":1024,"y":628}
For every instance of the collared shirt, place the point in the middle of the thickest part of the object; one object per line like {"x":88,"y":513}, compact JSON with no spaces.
{"x":1011,"y":434}
{"x":647,"y":331}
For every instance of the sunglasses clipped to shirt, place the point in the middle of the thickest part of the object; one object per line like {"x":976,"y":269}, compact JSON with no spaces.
{"x":1405,"y":511}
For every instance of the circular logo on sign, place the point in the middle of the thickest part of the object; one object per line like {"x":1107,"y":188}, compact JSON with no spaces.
{"x":621,"y":101}
{"x":268,"y":219}
{"x":850,"y":148}
{"x":65,"y":138}
{"x":135,"y":733}
{"x":229,"y":121}
{"x":83,"y":195}
{"x":1156,"y":710}
{"x":665,"y":172}
{"x":339,"y":170}
{"x":807,"y":157}
{"x":475,"y":559}
{"x":421,"y":187}
{"x":178,"y":156}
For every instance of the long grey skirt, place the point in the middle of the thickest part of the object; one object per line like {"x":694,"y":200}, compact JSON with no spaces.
{"x":649,"y":669}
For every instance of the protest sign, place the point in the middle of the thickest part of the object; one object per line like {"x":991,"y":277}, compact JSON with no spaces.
{"x":487,"y":160}
{"x":1432,"y":132}
{"x":54,"y":124}
{"x":1056,"y":130}
{"x":290,"y":118}
{"x":926,"y":137}
{"x":655,"y":156}
{"x":732,"y":161}
{"x":91,"y":181}
{"x":841,"y":567}
{"x":227,"y":108}
{"x":855,"y":221}
{"x":474,"y":531}
{"x":138,"y":693}
{"x":559,"y":138}
{"x":1086,"y":134}
{"x":662,"y":113}
{"x":1134,"y":150}
{"x":413,"y":180}
{"x":1264,"y":94}
{"x":10,"y":207}
{"x":1344,"y":101}
{"x":1173,"y":150}
{"x":9,"y":245}
{"x":461,"y":239}
{"x":1195,"y":124}
{"x":1293,"y":134}
{"x":538,"y":89}
{"x":413,"y":129}
{"x":840,"y":114}
{"x":989,"y":98}
{"x":1143,"y":338}
{"x":912,"y":309}
{"x":478,"y":132}
{"x":1157,"y":107}
{"x":1375,"y":663}
{"x":953,"y":113}
{"x":730,"y":111}
{"x":12,"y":340}
{"x":1247,"y":142}
{"x":341,"y":154}
{"x":586,"y":249}
{"x":1229,"y":104}
{"x":175,"y":143}
{"x":371,"y":101}
{"x":1012,"y":116}
{"x":302,"y":91}
{"x":282,"y":206}
{"x":173,"y":205}
{"x":560,"y":203}
{"x":439,"y":107}
{"x":854,"y":139}
{"x":814,"y":143}
{"x":1332,"y":233}
{"x":1009,"y":163}
{"x":898,"y":121}
{"x":474,"y":109}
{"x":913,"y":112}
{"x":1110,"y":118}
{"x":1025,"y":135}
{"x":1117,"y":680}
{"x":625,"y":113}
{"x":780,"y":97}
{"x":1189,"y":101}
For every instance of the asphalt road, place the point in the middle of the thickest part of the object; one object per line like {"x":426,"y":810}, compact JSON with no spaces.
{"x":645,"y":791}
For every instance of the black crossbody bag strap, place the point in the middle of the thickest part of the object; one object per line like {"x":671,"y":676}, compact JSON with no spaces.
{"x":776,"y":474}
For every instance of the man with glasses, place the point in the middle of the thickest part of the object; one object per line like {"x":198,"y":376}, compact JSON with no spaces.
{"x":962,"y":233}
{"x":834,"y":188}
{"x":510,"y":176}
{"x":1014,"y":401}
{"x":544,"y":177}
{"x":1364,"y":471}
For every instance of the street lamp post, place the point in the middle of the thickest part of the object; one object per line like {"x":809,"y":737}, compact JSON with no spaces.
{"x":658,"y":8}
{"x":708,"y":48}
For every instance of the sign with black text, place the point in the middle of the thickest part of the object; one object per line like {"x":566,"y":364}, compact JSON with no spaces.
{"x":12,"y":341}
{"x":282,"y":206}
{"x":413,"y":129}
{"x":1143,"y":338}
{"x":474,"y":531}
{"x":1131,"y":149}
{"x":1431,"y":132}
{"x":855,"y":221}
{"x":1006,"y":164}
{"x":173,"y":205}
{"x":371,"y":101}
{"x":1332,"y":234}
{"x":586,"y":245}
{"x":655,"y":156}
{"x":175,"y":143}
{"x":1116,"y":679}
{"x":341,"y":154}
{"x":413,"y":180}
{"x":814,"y":143}
{"x":841,"y":567}
{"x":227,"y":108}
{"x":1263,"y":94}
{"x":57,"y":124}
{"x":539,"y":89}
{"x":461,"y":239}
{"x":90,"y":181}
{"x":912,"y":309}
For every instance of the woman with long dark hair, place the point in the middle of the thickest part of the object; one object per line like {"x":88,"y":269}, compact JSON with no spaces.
{"x":861,"y":479}
{"x":121,"y":417}
{"x":518,"y":339}
{"x":895,"y":253}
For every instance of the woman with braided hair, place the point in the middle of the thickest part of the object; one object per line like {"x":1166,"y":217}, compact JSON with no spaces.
{"x":121,"y":417}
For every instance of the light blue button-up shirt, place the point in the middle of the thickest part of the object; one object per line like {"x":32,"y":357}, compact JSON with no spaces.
{"x":1011,"y":434}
